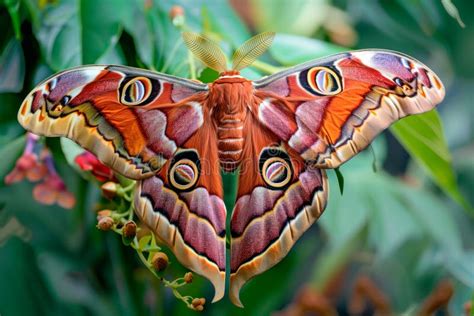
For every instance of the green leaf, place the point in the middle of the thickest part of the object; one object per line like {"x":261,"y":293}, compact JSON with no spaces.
{"x":461,"y":267}
{"x":290,"y":50}
{"x":392,"y":224}
{"x":12,"y":67}
{"x":143,"y":242}
{"x":433,"y":218}
{"x":452,"y":11}
{"x":71,"y":150}
{"x":75,"y":32}
{"x":346,"y":215}
{"x":140,"y":29}
{"x":13,"y":7}
{"x":340,"y":180}
{"x":422,"y":136}
{"x":301,"y":17}
{"x":10,"y":153}
{"x":100,"y":26}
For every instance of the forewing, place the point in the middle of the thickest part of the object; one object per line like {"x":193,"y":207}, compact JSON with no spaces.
{"x":132,"y":120}
{"x":328,"y":110}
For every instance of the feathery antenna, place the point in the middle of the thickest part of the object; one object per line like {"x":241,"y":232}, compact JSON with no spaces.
{"x":206,"y":50}
{"x":251,"y":50}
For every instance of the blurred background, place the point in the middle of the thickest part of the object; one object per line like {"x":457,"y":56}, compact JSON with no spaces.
{"x":399,"y":240}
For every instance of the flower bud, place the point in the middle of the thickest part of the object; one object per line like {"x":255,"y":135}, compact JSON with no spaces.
{"x":109,"y":189}
{"x":188,"y":277}
{"x":176,"y":11}
{"x":105,"y":223}
{"x":129,"y":230}
{"x":103,"y":213}
{"x":177,"y":16}
{"x":199,"y":308}
{"x":198,"y":302}
{"x":160,"y":261}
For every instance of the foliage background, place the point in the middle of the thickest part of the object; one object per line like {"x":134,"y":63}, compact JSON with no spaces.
{"x":407,"y":226}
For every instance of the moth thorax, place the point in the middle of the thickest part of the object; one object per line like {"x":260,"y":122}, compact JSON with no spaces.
{"x":231,"y":95}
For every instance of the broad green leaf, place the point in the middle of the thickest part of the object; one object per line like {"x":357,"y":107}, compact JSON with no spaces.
{"x":461,"y":267}
{"x":10,"y":153}
{"x":346,"y":215}
{"x":22,"y":281}
{"x":112,"y":56}
{"x":74,"y":32}
{"x":290,"y":50}
{"x":12,"y":67}
{"x":71,"y":285}
{"x":392,"y":224}
{"x":13,"y":7}
{"x":422,"y":136}
{"x":100,"y":26}
{"x":140,"y":29}
{"x":302,"y":17}
{"x":434,"y":219}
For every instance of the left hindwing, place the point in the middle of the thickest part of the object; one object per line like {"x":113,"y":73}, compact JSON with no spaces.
{"x":330,"y":109}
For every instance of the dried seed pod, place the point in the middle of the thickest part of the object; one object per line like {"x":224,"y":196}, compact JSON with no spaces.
{"x":160,"y":261}
{"x":129,"y":230}
{"x":196,"y":302}
{"x":105,"y":223}
{"x":188,"y":277}
{"x":109,"y":189}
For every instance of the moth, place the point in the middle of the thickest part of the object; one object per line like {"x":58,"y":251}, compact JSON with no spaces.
{"x":175,"y":136}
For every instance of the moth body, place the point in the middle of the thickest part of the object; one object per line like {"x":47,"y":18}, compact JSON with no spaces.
{"x":230,"y":98}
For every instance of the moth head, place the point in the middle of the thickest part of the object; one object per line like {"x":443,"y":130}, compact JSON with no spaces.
{"x":212,"y":55}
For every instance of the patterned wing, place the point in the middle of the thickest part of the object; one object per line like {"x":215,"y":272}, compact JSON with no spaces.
{"x":328,"y":110}
{"x":150,"y":127}
{"x":132,"y":120}
{"x":308,"y":118}
{"x":183,"y":205}
{"x":279,"y":197}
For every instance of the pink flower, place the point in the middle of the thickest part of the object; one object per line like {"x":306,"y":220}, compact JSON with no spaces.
{"x":28,"y":165}
{"x":53,"y":190}
{"x":88,"y":162}
{"x":35,"y":168}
